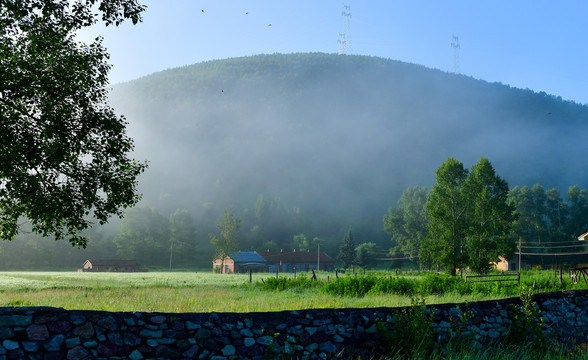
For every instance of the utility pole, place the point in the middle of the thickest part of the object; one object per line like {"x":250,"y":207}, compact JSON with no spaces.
{"x":318,"y":258}
{"x":519,"y":255}
{"x":171,"y":253}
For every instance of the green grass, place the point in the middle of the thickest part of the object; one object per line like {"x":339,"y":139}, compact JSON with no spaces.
{"x":206,"y":292}
{"x":178,"y":292}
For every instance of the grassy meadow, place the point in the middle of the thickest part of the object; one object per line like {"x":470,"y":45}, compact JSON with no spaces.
{"x":207,"y":292}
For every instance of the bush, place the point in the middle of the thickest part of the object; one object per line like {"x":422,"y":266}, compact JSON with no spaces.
{"x":350,"y":285}
{"x":397,"y":285}
{"x":283,"y":283}
{"x":433,"y":284}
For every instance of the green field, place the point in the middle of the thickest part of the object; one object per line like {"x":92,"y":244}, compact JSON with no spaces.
{"x":207,"y":292}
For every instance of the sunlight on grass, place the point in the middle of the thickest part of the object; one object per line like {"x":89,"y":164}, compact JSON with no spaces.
{"x":186,"y":292}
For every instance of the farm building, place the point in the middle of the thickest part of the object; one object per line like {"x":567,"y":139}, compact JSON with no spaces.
{"x":298,"y":261}
{"x":243,"y":261}
{"x":508,"y":264}
{"x":112,"y":266}
{"x":240,"y":262}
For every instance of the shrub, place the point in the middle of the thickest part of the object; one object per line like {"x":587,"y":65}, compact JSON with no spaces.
{"x":397,"y":285}
{"x":350,"y":285}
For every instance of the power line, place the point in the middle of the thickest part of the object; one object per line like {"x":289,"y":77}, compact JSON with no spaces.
{"x":402,"y":258}
{"x":554,"y":246}
{"x":556,"y":242}
{"x":552,"y":254}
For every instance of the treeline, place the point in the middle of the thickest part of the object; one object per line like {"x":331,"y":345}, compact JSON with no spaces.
{"x":459,"y":224}
{"x":154,"y":235}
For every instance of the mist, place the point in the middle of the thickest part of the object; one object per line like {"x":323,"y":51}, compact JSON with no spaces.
{"x":319,"y":144}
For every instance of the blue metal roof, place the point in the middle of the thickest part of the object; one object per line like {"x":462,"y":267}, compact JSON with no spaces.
{"x":247,"y":256}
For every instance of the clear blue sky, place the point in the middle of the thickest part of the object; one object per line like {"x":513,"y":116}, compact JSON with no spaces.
{"x":536,"y":44}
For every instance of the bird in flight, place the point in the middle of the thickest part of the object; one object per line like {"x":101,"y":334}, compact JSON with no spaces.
{"x":202,"y":10}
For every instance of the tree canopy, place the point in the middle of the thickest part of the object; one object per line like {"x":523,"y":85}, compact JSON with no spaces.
{"x":64,"y":153}
{"x":226,"y":241}
{"x":447,"y":207}
{"x":408,"y":222}
{"x":347,"y":254}
{"x":470,"y":217}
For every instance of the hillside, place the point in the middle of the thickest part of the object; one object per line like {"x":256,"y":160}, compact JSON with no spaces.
{"x":335,"y":138}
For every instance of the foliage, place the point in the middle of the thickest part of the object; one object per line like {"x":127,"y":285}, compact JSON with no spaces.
{"x":411,"y":333}
{"x":470,"y":217}
{"x":365,"y":255}
{"x":347,"y":251}
{"x":548,"y":224}
{"x":283,"y":283}
{"x":447,"y":226}
{"x":144,"y":236}
{"x":527,"y":324}
{"x":182,"y":237}
{"x":489,"y":217}
{"x":63,"y":150}
{"x":408,"y":222}
{"x":228,"y":225}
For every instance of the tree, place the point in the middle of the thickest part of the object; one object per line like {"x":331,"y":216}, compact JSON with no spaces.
{"x":347,"y":251}
{"x":301,"y":242}
{"x":144,"y":236}
{"x":408,"y":222}
{"x":447,"y":225}
{"x":227,"y":241}
{"x":578,"y":210}
{"x":63,"y":150}
{"x":556,"y":212}
{"x":183,"y":236}
{"x":489,"y":217}
{"x":365,"y":255}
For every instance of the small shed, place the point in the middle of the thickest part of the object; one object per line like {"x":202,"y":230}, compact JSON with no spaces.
{"x":112,"y":266}
{"x":240,"y":262}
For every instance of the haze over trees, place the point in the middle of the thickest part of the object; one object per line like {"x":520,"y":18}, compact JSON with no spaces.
{"x":226,"y":241}
{"x":64,"y":154}
{"x":304,"y":147}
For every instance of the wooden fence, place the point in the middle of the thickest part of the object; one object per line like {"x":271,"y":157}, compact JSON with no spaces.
{"x":499,"y":277}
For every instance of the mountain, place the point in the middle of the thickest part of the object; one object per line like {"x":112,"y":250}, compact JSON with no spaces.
{"x":335,"y":137}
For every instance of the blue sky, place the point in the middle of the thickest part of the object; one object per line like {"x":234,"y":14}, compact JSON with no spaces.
{"x":538,"y":44}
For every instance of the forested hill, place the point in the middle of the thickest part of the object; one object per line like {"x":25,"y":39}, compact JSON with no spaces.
{"x":336,"y":137}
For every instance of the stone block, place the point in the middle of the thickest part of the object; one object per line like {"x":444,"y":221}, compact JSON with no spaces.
{"x":37,"y":333}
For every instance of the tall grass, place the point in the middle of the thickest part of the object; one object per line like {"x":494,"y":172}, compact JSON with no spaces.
{"x":206,"y":292}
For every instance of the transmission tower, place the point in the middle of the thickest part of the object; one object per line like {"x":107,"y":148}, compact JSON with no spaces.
{"x":344,"y":40}
{"x":455,"y":46}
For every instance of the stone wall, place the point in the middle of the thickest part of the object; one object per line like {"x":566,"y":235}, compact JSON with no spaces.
{"x":54,"y":333}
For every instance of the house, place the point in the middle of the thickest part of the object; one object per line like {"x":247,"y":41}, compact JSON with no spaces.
{"x":298,"y":261}
{"x":583,"y":236}
{"x":112,"y":266}
{"x":508,"y":265}
{"x":240,"y":262}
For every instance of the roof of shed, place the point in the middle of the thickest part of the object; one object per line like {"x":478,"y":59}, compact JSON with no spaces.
{"x":246,"y":256}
